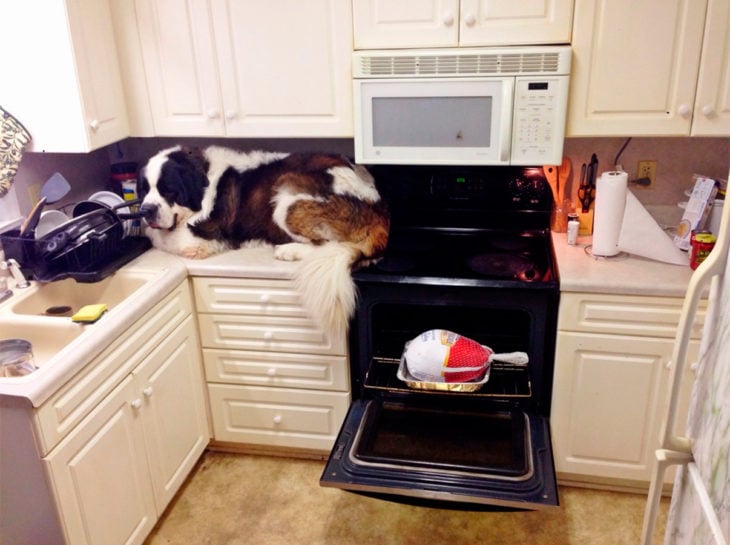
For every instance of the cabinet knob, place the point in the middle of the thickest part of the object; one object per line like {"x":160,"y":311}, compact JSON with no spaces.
{"x":448,"y":18}
{"x":147,"y":391}
{"x":268,"y":335}
{"x":94,"y":124}
{"x":213,"y":113}
{"x":265,"y":298}
{"x":668,"y":365}
{"x":271,"y":371}
{"x":684,"y":110}
{"x":694,"y":366}
{"x":708,"y":110}
{"x":470,"y":19}
{"x":136,"y":404}
{"x":277,"y":419}
{"x":230,"y":114}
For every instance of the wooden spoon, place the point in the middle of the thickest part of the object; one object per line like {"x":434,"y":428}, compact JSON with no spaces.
{"x":563,"y":175}
{"x":551,"y":173}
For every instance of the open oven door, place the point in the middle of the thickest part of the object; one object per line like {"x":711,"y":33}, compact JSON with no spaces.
{"x":448,"y":450}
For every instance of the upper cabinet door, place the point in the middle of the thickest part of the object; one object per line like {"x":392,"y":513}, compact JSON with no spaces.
{"x":451,"y":23}
{"x":285,"y":67}
{"x":506,"y":22}
{"x":712,"y":104}
{"x":635,"y":67}
{"x":61,"y":75}
{"x":405,"y":23}
{"x":180,"y":67}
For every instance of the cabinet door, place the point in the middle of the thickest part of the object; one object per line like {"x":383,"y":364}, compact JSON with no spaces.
{"x":609,"y":394}
{"x":712,"y":107}
{"x":285,"y":67}
{"x":180,"y":67}
{"x":406,"y":23}
{"x":170,"y":394}
{"x":506,"y":22}
{"x":61,"y":74}
{"x":635,"y":66}
{"x":100,"y":476}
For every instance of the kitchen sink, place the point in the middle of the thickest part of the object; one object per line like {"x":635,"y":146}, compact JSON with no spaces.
{"x":66,"y":297}
{"x":47,"y":337}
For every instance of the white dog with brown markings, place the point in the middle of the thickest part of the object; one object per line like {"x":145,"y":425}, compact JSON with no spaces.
{"x":315,"y":207}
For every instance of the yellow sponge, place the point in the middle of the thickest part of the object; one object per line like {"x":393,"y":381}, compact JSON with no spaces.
{"x":89,"y":313}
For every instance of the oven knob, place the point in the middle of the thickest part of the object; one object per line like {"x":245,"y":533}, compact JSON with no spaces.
{"x":277,"y":419}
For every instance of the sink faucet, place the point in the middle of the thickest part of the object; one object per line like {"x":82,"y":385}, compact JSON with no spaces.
{"x":14,"y":268}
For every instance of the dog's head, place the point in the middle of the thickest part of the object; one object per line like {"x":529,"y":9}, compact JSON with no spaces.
{"x":171,"y":185}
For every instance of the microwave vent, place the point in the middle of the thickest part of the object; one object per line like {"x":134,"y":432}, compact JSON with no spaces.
{"x":459,"y":64}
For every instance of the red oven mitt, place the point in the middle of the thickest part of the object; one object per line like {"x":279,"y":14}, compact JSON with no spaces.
{"x":439,"y":355}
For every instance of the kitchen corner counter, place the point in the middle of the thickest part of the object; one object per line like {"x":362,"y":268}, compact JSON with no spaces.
{"x":622,"y":275}
{"x":257,"y":262}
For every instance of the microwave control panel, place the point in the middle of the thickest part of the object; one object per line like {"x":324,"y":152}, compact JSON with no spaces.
{"x":540,"y":108}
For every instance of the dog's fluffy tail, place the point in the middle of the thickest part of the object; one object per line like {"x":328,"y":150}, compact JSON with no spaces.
{"x":325,"y":283}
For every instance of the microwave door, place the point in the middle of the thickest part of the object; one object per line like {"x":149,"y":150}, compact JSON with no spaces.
{"x":434,"y":122}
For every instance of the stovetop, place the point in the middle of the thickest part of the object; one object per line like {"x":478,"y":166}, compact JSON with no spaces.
{"x":466,"y":226}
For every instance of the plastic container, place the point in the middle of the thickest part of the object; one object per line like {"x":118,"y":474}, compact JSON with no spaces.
{"x":16,"y":358}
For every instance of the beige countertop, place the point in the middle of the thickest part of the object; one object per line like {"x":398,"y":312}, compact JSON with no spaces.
{"x":623,"y":274}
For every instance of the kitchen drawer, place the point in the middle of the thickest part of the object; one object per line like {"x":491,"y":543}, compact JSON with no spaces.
{"x":624,"y":314}
{"x":247,"y":296}
{"x":278,"y":417}
{"x":65,"y":409}
{"x":298,"y":335}
{"x":316,"y":372}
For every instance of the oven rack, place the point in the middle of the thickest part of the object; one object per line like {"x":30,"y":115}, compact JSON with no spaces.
{"x":505,"y":380}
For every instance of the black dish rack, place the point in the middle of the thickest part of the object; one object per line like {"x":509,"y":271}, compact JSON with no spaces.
{"x":87,"y":248}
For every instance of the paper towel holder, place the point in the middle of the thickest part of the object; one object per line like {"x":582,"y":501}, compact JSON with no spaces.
{"x":589,"y":252}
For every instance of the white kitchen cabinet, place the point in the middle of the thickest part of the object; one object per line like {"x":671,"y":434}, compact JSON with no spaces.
{"x":650,"y":68}
{"x":246,"y":69}
{"x":61,"y":74}
{"x":120,"y":438}
{"x":612,"y":372}
{"x":275,"y":379}
{"x":451,"y":23}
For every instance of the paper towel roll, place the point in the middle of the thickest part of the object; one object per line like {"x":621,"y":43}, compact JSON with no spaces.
{"x":611,"y":189}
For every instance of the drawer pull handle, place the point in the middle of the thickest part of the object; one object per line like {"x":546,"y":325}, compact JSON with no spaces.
{"x":136,"y":404}
{"x":271,"y":371}
{"x":147,"y":391}
{"x":277,"y":419}
{"x":268,"y":335}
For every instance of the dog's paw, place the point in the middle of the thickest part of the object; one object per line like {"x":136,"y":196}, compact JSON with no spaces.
{"x":195,"y":252}
{"x":293,"y":251}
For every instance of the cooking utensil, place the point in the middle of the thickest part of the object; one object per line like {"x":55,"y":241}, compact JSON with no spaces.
{"x":55,"y":188}
{"x":551,"y":173}
{"x":563,"y":175}
{"x":29,"y":225}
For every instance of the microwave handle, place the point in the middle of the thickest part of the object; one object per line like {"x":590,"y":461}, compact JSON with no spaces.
{"x":505,"y":137}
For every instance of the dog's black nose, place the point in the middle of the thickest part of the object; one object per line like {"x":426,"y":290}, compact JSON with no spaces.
{"x":148,"y":210}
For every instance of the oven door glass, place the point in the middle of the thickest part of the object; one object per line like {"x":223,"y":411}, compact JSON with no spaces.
{"x":445,"y":452}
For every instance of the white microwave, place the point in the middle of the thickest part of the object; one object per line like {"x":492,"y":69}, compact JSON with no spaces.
{"x":475,"y":106}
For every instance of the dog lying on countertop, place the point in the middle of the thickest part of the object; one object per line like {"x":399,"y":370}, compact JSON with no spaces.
{"x":315,"y":207}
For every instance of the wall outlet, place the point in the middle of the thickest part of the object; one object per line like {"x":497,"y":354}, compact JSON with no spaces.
{"x":646,"y":171}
